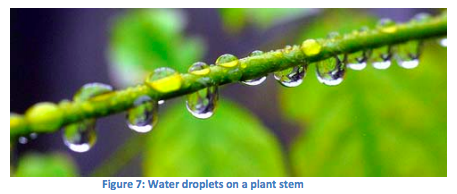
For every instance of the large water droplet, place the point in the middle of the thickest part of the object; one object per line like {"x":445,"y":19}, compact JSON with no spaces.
{"x":164,"y":80}
{"x":199,"y":68}
{"x":142,"y":117}
{"x":331,"y":71}
{"x":291,"y":77}
{"x":407,"y":54}
{"x":202,"y":103}
{"x":81,"y":136}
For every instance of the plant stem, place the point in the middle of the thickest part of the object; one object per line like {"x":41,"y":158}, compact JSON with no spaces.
{"x":251,"y":67}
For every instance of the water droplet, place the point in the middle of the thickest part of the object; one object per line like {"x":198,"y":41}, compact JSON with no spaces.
{"x":23,"y":140}
{"x":311,"y":47}
{"x":142,"y":117}
{"x":91,"y":90}
{"x":443,"y":42}
{"x":254,"y":82}
{"x":331,"y":71}
{"x":33,"y":135}
{"x":256,"y":53}
{"x":333,"y":35}
{"x":227,"y":60}
{"x":199,"y":68}
{"x":202,"y":103}
{"x":421,"y":17}
{"x":387,"y":26}
{"x":81,"y":136}
{"x":160,"y":102}
{"x":164,"y":80}
{"x":381,"y":57}
{"x":407,"y":54}
{"x":291,"y":77}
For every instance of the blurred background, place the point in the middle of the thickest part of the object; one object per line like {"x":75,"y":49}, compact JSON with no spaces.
{"x":376,"y":123}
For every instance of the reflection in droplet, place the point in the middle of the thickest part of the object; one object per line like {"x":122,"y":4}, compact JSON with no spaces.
{"x":291,"y":77}
{"x":81,"y":136}
{"x":331,"y":71}
{"x":142,"y":117}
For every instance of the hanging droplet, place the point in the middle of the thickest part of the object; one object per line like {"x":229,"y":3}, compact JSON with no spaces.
{"x":81,"y":136}
{"x":291,"y":77}
{"x":255,"y":82}
{"x":164,"y":80}
{"x":358,"y":60}
{"x":23,"y":140}
{"x":381,"y":57}
{"x":202,"y":103}
{"x":331,"y":71}
{"x":407,"y":54}
{"x":142,"y":117}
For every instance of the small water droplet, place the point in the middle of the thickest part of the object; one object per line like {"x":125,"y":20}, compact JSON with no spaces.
{"x":331,"y":71}
{"x":81,"y":136}
{"x":407,"y":54}
{"x":33,"y":135}
{"x":291,"y":77}
{"x":311,"y":47}
{"x":160,"y":102}
{"x":387,"y":26}
{"x":142,"y":117}
{"x":333,"y":35}
{"x":256,"y":53}
{"x":227,"y":60}
{"x":91,"y":90}
{"x":199,"y":68}
{"x":255,"y":82}
{"x":23,"y":140}
{"x":164,"y":80}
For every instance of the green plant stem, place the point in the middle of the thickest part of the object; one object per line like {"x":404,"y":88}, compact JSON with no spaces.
{"x":254,"y":67}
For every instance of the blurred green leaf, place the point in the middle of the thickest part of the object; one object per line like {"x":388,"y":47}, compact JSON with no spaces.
{"x":377,"y":122}
{"x":145,"y":39}
{"x":231,"y":143}
{"x":49,"y":165}
{"x":235,"y":19}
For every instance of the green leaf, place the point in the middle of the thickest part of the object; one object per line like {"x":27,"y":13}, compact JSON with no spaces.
{"x":145,"y":39}
{"x":230,"y":143}
{"x":49,"y":165}
{"x":376,"y":123}
{"x":235,"y":19}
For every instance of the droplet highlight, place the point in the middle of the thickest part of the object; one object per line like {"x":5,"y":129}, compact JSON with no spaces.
{"x":331,"y":71}
{"x":254,"y":82}
{"x":291,"y":77}
{"x":143,"y":116}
